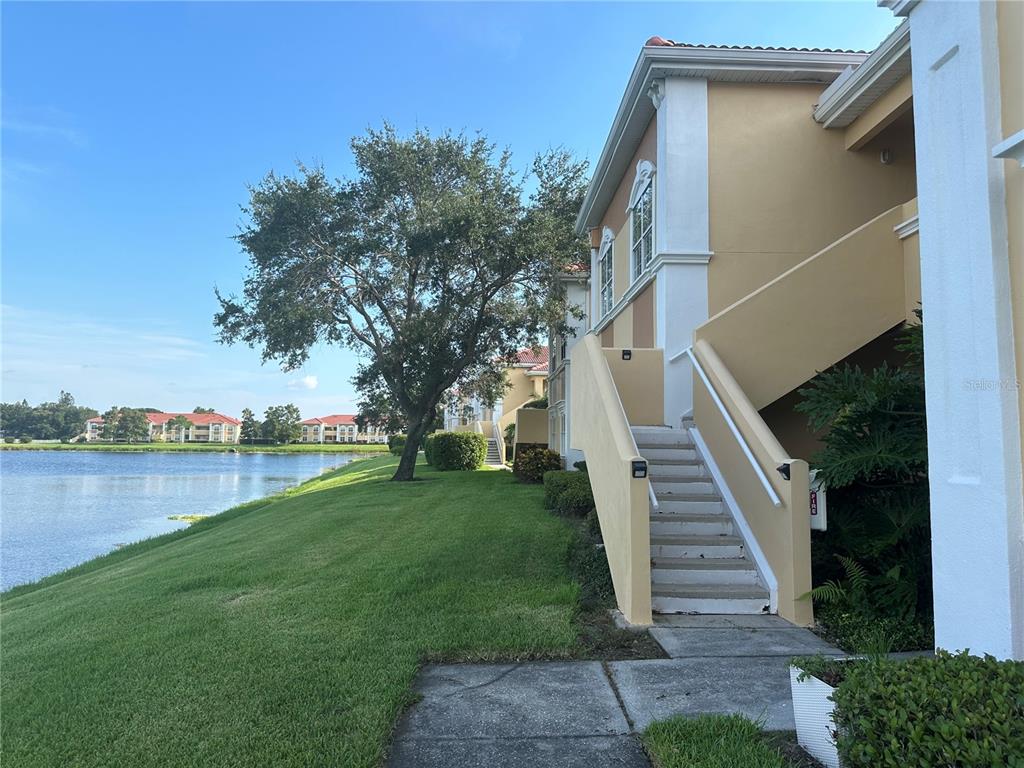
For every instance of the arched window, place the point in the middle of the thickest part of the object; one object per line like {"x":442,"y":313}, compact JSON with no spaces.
{"x":606,"y":271}
{"x":641,"y":213}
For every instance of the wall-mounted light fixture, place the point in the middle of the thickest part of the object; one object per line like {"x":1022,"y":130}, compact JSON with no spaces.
{"x":784,"y":470}
{"x":627,"y":354}
{"x":639,"y":469}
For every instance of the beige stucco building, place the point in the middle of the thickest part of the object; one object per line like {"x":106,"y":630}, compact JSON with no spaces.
{"x":756,"y":216}
{"x":202,"y":428}
{"x":339,"y":428}
{"x":526,"y":381}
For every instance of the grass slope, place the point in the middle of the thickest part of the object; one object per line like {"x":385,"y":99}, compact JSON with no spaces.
{"x":286,"y":632}
{"x":199,"y":447}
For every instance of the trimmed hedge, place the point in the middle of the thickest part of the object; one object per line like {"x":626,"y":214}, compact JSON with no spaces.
{"x":458,"y":451}
{"x":396,"y":444}
{"x":531,"y":463}
{"x":950,"y":710}
{"x":568,"y":493}
{"x":588,"y":564}
{"x":428,"y":447}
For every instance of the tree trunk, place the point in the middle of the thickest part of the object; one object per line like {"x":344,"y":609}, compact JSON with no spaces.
{"x":407,"y":464}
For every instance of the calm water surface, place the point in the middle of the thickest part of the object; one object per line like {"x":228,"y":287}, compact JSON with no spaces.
{"x":61,"y":508}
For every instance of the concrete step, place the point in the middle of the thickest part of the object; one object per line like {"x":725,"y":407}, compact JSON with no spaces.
{"x":668,"y":545}
{"x":704,"y":570}
{"x":662,"y":454}
{"x":676,"y":524}
{"x":706,"y":505}
{"x":667,"y":472}
{"x":685,"y":486}
{"x":708,"y":598}
{"x":664,"y":436}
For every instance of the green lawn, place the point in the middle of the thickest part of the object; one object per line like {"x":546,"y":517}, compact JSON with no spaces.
{"x":200,"y":447}
{"x":720,"y":741}
{"x":286,"y":632}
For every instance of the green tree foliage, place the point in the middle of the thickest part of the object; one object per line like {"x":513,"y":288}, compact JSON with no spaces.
{"x":180,"y":423}
{"x":281,"y":423}
{"x":251,"y":428}
{"x":60,"y":420}
{"x":129,"y":425}
{"x":200,"y":409}
{"x":874,"y":463}
{"x":434,"y":262}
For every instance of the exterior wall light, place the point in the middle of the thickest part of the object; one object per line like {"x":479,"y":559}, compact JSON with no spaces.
{"x":639,"y":469}
{"x":627,"y":354}
{"x":784,"y":470}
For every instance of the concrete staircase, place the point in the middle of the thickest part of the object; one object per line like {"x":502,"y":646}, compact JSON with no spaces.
{"x":698,"y":561}
{"x":493,"y":458}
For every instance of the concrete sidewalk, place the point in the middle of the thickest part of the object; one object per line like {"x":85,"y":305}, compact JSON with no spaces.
{"x":588,"y":713}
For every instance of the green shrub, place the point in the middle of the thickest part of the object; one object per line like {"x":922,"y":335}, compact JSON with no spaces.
{"x":24,"y":439}
{"x":568,"y":493}
{"x":855,"y":632}
{"x":540,"y":402}
{"x":9,"y":440}
{"x":951,"y":710}
{"x":459,"y":451}
{"x":592,"y":523}
{"x":588,"y":565}
{"x":581,"y":466}
{"x":428,"y":447}
{"x":396,"y":444}
{"x":555,"y":482}
{"x":531,"y":463}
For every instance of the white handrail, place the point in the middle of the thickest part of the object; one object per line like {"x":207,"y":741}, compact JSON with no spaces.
{"x":652,"y":495}
{"x":769,"y":489}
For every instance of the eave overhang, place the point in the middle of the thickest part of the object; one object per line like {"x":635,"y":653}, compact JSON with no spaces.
{"x":857,"y":89}
{"x":715,"y":64}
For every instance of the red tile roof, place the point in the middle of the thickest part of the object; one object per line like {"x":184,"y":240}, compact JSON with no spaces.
{"x":532,"y":357}
{"x":662,"y":41}
{"x":198,"y":419}
{"x":332,"y":421}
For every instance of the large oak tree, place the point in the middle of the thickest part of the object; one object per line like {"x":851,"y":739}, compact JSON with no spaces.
{"x":434,"y":262}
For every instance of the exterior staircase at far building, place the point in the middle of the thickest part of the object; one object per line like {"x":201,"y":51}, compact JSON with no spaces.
{"x":493,"y":458}
{"x":699,"y":562}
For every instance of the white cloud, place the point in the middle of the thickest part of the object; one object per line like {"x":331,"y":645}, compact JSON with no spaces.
{"x":306,"y":382}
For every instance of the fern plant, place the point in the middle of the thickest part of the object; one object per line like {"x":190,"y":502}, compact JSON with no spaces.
{"x":874,"y":462}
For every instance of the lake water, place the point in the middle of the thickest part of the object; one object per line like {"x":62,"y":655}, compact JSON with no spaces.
{"x":61,"y":508}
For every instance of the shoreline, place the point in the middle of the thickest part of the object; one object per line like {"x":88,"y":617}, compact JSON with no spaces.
{"x":131,"y":548}
{"x":374,"y":449}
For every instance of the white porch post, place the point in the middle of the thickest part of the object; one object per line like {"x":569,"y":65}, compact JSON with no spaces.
{"x":682,"y":230}
{"x":974,"y":452}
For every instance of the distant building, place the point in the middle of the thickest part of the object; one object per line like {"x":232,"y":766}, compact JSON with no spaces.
{"x":203,"y":428}
{"x":340,"y":428}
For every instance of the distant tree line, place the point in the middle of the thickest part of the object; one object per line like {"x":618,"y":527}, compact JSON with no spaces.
{"x":60,"y":420}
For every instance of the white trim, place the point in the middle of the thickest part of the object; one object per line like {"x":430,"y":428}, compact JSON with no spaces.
{"x":907,"y":228}
{"x":898,"y":7}
{"x":851,"y":94}
{"x":607,"y":249}
{"x":691,"y":257}
{"x":631,"y":293}
{"x":642,"y":179}
{"x":659,"y":62}
{"x":1011,"y":148}
{"x":756,"y":553}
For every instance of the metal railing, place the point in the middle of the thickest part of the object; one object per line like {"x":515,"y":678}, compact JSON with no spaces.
{"x":744,"y":446}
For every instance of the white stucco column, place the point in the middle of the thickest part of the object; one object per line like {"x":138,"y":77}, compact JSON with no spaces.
{"x":682,"y":227}
{"x":973,"y":420}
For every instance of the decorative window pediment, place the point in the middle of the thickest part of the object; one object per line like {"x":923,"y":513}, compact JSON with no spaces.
{"x":644,"y":174}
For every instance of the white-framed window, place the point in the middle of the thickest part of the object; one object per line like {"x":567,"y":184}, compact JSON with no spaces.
{"x":641,"y":218}
{"x":606,"y":272}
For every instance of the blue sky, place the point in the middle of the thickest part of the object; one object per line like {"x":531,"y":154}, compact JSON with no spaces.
{"x":130,"y":132}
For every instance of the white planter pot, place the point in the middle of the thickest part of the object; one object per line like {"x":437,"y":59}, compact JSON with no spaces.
{"x":812,"y":711}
